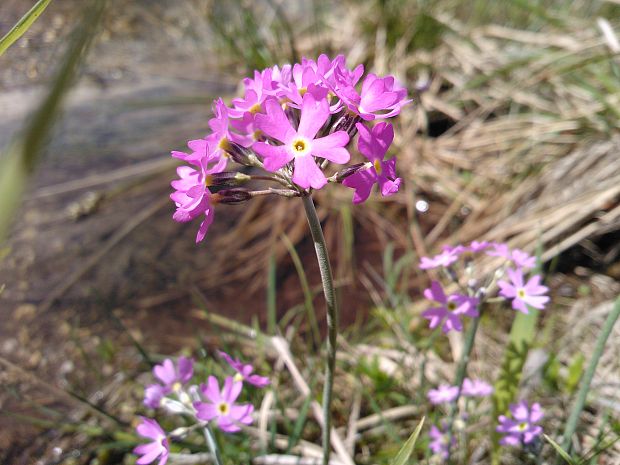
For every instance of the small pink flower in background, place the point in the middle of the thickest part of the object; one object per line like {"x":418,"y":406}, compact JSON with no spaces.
{"x":373,"y":144}
{"x":522,"y":428}
{"x":451,"y":309}
{"x":476,"y":246}
{"x":522,"y":259}
{"x":157,"y":448}
{"x":445,"y":393}
{"x":499,"y":249}
{"x":476,"y":388}
{"x":221,"y":405}
{"x":523,"y":294}
{"x":300,"y":145}
{"x":245,"y":371}
{"x":445,"y":259}
{"x":171,"y":380}
{"x":439,"y":442}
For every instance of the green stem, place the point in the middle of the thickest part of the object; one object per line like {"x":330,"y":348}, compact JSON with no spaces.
{"x":332,"y":318}
{"x":461,"y":371}
{"x":215,"y":451}
{"x":571,"y":424}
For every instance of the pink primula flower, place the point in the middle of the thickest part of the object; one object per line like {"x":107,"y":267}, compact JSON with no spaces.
{"x":171,"y":380}
{"x":445,"y":393}
{"x":379,"y":98}
{"x":221,"y":407}
{"x":522,"y":428}
{"x":157,"y":448}
{"x":244,"y":371}
{"x":373,"y":145}
{"x":476,"y":388}
{"x":445,"y":259}
{"x":523,"y":294}
{"x":452,"y":308}
{"x":300,"y":144}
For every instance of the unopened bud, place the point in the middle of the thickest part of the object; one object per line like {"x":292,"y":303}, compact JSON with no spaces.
{"x":239,"y":154}
{"x":349,"y":170}
{"x":226,"y":179}
{"x":231,"y":196}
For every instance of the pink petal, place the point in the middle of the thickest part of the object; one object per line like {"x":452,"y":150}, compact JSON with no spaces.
{"x":362,"y":182}
{"x":332,"y":148}
{"x":307,"y":174}
{"x":274,"y":156}
{"x":313,"y":115}
{"x":275,"y":123}
{"x":211,"y":390}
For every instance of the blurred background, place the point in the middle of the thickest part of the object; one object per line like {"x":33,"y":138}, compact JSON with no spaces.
{"x":512,"y":136}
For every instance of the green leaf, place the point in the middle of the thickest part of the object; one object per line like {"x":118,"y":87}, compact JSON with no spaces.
{"x":575,"y":370}
{"x":560,"y":451}
{"x":405,"y":452}
{"x":23,"y":25}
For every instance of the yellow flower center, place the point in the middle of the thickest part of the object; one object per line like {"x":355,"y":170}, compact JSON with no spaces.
{"x":303,"y":91}
{"x":238,"y":377}
{"x":300,"y":146}
{"x":451,"y":306}
{"x":224,"y":144}
{"x":255,"y":108}
{"x":520,"y":293}
{"x":377,"y":165}
{"x":176,"y":387}
{"x":223,"y":408}
{"x":522,"y":426}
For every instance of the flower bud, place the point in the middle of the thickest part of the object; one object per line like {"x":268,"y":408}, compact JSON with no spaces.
{"x":231,"y":196}
{"x":226,"y":179}
{"x":239,"y":154}
{"x":349,"y":170}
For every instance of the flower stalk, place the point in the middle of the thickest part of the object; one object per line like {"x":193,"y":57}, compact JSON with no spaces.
{"x":327,"y":281}
{"x":571,"y":424}
{"x":211,"y":442}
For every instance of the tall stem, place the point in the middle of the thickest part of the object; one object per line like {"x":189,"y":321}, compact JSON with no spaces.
{"x":461,"y":371}
{"x":215,"y":452}
{"x":332,"y":318}
{"x":571,"y":424}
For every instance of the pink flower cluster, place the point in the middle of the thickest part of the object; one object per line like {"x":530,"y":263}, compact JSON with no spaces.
{"x":292,"y":121}
{"x":446,"y":393}
{"x":520,"y":291}
{"x":206,"y":403}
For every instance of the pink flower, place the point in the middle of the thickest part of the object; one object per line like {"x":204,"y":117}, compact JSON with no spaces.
{"x":476,"y":388}
{"x":440,"y":441}
{"x":300,"y":145}
{"x":443,"y":394}
{"x":171,"y":379}
{"x":522,"y":259}
{"x":192,"y":197}
{"x":476,"y":246}
{"x":522,"y":295}
{"x":374,"y":144}
{"x":522,"y":428}
{"x":445,"y":259}
{"x":499,"y":249}
{"x":158,"y":447}
{"x":221,"y":406}
{"x":245,"y":371}
{"x":379,"y":98}
{"x":451,"y":310}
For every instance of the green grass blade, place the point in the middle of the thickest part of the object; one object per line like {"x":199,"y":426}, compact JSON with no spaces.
{"x":402,"y":458}
{"x":272,"y":321}
{"x":23,"y":154}
{"x":561,"y":452}
{"x":23,"y":25}
{"x":308,"y":296}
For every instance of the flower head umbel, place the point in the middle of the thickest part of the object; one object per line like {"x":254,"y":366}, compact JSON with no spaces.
{"x":221,"y":407}
{"x":373,"y":144}
{"x":171,"y":380}
{"x":522,"y":428}
{"x":440,"y":441}
{"x":452,"y":308}
{"x":245,"y":371}
{"x":157,"y":448}
{"x":523,"y":293}
{"x":300,"y":144}
{"x":291,"y":122}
